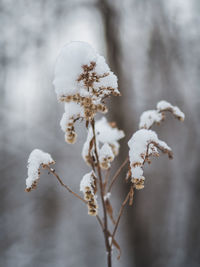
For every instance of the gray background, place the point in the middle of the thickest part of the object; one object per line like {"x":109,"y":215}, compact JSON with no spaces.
{"x":153,"y":47}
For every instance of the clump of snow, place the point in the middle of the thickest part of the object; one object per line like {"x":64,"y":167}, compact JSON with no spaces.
{"x":36,"y":158}
{"x":166,"y":106}
{"x":73,"y":112}
{"x":87,"y":186}
{"x":82,"y":80}
{"x":106,"y":156}
{"x":140,"y":150}
{"x":148,"y":118}
{"x":107,"y":196}
{"x":87,"y":181}
{"x":106,"y":133}
{"x":69,"y":67}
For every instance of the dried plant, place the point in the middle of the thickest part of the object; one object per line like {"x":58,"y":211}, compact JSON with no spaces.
{"x":83,"y":81}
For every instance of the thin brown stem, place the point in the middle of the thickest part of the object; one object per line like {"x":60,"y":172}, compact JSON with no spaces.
{"x":52,"y":171}
{"x":119,"y":216}
{"x":106,"y":180}
{"x":100,"y":222}
{"x":105,"y":229}
{"x":116,"y":175}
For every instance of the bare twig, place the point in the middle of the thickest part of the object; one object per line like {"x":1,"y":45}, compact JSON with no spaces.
{"x":100,"y":222}
{"x":117,"y":174}
{"x":52,"y":171}
{"x":119,"y":216}
{"x":106,"y":180}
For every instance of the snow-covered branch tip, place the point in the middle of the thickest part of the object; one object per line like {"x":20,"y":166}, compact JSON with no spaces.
{"x":150,"y":117}
{"x":37,"y":159}
{"x":82,"y":77}
{"x":142,"y":145}
{"x":107,"y":141}
{"x":88,"y":187}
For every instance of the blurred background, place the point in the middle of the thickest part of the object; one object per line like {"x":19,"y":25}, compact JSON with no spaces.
{"x":154,"y":48}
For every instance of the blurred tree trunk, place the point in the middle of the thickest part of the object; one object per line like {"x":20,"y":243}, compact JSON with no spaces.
{"x":148,"y":52}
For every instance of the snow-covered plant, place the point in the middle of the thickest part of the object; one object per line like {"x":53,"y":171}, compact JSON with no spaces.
{"x":82,"y":82}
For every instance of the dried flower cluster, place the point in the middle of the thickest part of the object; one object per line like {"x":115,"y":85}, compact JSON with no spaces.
{"x":36,"y":159}
{"x":149,"y":117}
{"x":88,"y":187}
{"x":89,"y":83}
{"x":142,"y":146}
{"x":108,"y":136}
{"x":82,"y":81}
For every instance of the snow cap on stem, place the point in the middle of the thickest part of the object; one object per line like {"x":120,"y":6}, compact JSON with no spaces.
{"x":82,"y":77}
{"x":35,"y":160}
{"x":88,"y":187}
{"x":142,"y":145}
{"x":106,"y":133}
{"x":148,"y":118}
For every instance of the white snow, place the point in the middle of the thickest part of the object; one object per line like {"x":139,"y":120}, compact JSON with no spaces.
{"x":106,"y":153}
{"x":69,"y":67}
{"x":148,"y":118}
{"x":106,"y":133}
{"x":164,"y":105}
{"x":107,"y":196}
{"x":106,"y":156}
{"x":72,"y":111}
{"x":36,"y":158}
{"x":138,"y":146}
{"x":87,"y":181}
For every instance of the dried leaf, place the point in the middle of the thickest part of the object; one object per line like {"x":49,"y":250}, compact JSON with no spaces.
{"x":109,"y":210}
{"x":95,"y":184}
{"x":128,"y":175}
{"x":118,"y":248}
{"x":91,"y":144}
{"x":131,"y":194}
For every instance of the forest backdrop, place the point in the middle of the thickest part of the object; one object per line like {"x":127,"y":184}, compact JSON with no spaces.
{"x":153,"y":47}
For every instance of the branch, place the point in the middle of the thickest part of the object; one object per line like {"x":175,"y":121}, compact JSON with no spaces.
{"x":105,"y":228}
{"x":106,"y":180}
{"x":119,"y":216}
{"x":118,"y":173}
{"x":52,"y":171}
{"x":100,"y":222}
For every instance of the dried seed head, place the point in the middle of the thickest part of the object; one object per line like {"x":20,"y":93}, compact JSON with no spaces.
{"x":88,"y":81}
{"x":88,"y":187}
{"x":106,"y":156}
{"x":143,"y":144}
{"x":71,"y":137}
{"x":150,"y":117}
{"x":138,"y":183}
{"x":36,"y":159}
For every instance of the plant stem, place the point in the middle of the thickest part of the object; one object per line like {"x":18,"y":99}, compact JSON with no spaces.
{"x":105,"y":229}
{"x":119,"y":216}
{"x":117,"y":174}
{"x":52,"y":171}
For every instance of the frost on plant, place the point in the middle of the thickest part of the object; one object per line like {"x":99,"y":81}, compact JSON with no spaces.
{"x":36,"y":159}
{"x":82,"y":82}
